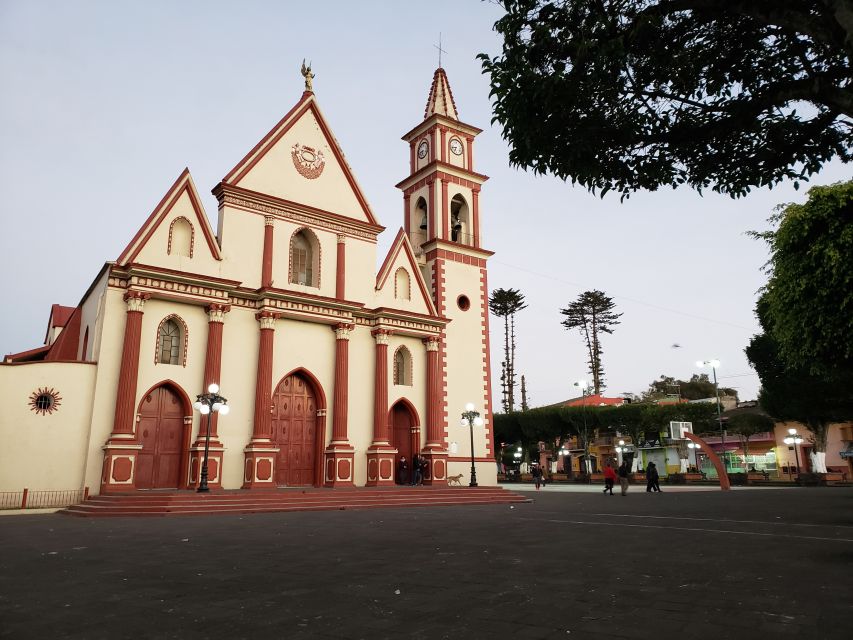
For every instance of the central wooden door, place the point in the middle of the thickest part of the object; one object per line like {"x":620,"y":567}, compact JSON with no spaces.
{"x":161,"y":434}
{"x":401,"y":435}
{"x":294,"y":426}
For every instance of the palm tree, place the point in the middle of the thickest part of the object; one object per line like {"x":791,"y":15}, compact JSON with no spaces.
{"x":592,"y":313}
{"x":505,"y":303}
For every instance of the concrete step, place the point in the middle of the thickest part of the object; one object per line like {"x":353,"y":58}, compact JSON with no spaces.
{"x":189,"y":503}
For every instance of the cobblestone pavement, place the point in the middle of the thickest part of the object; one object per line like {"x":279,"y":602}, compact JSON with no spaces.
{"x":743,"y":564}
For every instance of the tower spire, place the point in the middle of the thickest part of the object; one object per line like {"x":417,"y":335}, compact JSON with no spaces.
{"x":440,"y":99}
{"x":440,"y":50}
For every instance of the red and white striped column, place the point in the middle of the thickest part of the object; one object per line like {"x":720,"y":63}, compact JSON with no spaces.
{"x":380,"y":455}
{"x":259,"y":470}
{"x":122,"y":449}
{"x":434,"y":450}
{"x":339,"y":454}
{"x":212,"y":374}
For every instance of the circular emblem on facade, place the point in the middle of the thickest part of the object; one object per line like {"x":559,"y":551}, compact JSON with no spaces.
{"x":309,"y":162}
{"x":45,"y":401}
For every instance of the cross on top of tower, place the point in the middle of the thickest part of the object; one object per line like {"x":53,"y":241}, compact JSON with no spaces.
{"x":440,"y":50}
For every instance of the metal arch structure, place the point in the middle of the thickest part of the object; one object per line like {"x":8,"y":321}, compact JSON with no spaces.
{"x":725,"y":485}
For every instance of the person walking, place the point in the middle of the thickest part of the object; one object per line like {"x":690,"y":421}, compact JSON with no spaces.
{"x":609,"y":478}
{"x":652,"y":478}
{"x":623,"y":477}
{"x":536,"y":472}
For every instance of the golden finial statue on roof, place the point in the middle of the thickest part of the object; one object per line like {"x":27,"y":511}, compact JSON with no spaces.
{"x":309,"y":77}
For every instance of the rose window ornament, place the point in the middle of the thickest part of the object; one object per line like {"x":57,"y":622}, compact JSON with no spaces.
{"x":309,"y":162}
{"x":45,"y":401}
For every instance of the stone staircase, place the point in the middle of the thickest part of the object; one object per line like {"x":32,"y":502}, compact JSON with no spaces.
{"x":167,"y":503}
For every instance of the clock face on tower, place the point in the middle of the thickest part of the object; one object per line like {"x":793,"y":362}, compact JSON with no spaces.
{"x":456,"y":146}
{"x":423,"y":147}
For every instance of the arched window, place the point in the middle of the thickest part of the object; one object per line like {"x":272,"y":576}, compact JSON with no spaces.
{"x":403,"y":367}
{"x":421,"y":216}
{"x":460,"y":225}
{"x":171,"y":342}
{"x":304,"y":259}
{"x":402,"y":285}
{"x":180,"y":238}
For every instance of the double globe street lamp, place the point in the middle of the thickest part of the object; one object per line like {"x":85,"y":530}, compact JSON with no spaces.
{"x":794,"y":440}
{"x":207,"y":404}
{"x":471,"y":419}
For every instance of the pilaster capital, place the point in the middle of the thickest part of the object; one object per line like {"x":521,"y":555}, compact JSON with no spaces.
{"x":136,"y":300}
{"x":342,"y":330}
{"x":431,"y":343}
{"x":216,"y":312}
{"x":382,"y":336}
{"x":267,"y":319}
{"x":342,"y":239}
{"x":269,"y":221}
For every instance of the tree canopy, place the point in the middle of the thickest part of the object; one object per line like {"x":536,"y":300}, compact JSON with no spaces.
{"x":808,"y":300}
{"x":638,"y":94}
{"x":592,"y":314}
{"x":698,"y":387}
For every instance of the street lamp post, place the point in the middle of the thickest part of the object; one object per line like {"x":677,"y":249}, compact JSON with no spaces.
{"x":714,"y":364}
{"x":795,"y":440}
{"x":695,"y":447}
{"x":583,"y":385}
{"x":471,"y":419}
{"x":620,"y":449}
{"x":207,"y":404}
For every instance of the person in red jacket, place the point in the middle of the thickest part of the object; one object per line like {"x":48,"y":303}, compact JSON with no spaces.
{"x":609,"y":478}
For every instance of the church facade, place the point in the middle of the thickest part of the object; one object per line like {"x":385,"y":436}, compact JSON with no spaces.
{"x":332,"y":369}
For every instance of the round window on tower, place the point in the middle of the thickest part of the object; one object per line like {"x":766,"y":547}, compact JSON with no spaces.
{"x":463,"y":302}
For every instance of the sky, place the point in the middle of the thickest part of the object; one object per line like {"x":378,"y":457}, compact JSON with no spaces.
{"x":105,"y":103}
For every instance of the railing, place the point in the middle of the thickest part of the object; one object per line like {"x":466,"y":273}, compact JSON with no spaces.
{"x":419,"y":237}
{"x":27,"y":499}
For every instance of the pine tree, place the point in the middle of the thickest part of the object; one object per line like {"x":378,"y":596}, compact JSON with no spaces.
{"x":592,"y":314}
{"x":505,"y":303}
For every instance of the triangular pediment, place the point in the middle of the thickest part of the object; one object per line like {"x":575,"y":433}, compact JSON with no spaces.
{"x":299,"y":160}
{"x":157,"y":241}
{"x":406,"y":293}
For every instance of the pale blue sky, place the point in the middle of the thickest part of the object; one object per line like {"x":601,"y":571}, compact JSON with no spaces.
{"x":104,"y":103}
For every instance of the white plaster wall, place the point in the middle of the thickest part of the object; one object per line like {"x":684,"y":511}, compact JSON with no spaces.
{"x":457,"y":161}
{"x":385,"y":297}
{"x":465,"y":365}
{"x":328,"y":246}
{"x":242,"y":238}
{"x":41,"y":452}
{"x":416,"y":394}
{"x":360,"y":270}
{"x":92,"y":319}
{"x":106,"y":382}
{"x":362,"y":371}
{"x":240,"y":344}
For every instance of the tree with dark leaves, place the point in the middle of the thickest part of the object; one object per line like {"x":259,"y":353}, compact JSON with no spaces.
{"x":638,"y":94}
{"x":592,"y":314}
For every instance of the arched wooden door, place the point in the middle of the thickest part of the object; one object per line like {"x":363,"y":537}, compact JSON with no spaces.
{"x":161,"y":434}
{"x":294,"y":427}
{"x":401,"y":431}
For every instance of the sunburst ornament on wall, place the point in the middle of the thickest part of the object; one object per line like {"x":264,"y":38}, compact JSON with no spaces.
{"x":45,"y":401}
{"x":309,"y":162}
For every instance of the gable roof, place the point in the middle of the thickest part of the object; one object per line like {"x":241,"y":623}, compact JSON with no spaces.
{"x":305,"y":104}
{"x":402,"y":245}
{"x":184,"y":184}
{"x":440,"y":99}
{"x":58,"y":317}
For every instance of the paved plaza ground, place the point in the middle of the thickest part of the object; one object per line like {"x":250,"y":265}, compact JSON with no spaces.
{"x":573,"y":564}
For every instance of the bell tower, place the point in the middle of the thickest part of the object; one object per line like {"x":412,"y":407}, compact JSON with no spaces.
{"x":441,"y":204}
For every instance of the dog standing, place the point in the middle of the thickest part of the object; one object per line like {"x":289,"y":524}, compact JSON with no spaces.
{"x":451,"y":480}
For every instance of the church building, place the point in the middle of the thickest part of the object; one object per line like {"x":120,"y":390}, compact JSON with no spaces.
{"x":332,"y":370}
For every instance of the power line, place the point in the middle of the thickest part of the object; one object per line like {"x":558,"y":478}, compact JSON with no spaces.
{"x":634,"y":300}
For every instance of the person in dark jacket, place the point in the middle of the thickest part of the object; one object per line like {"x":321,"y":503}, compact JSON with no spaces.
{"x":536,"y":472}
{"x":623,"y":477}
{"x":652,"y":479}
{"x":403,"y":470}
